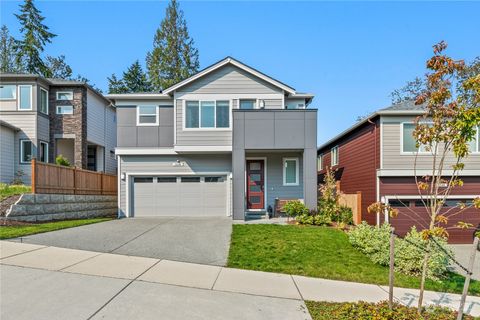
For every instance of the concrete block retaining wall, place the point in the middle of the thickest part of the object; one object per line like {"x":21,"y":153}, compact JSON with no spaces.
{"x":47,"y":207}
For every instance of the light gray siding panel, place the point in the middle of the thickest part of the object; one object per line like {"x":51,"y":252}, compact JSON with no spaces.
{"x":230,"y":79}
{"x":164,"y":164}
{"x":96,"y":119}
{"x":200,"y":137}
{"x":7,"y":158}
{"x":391,"y":149}
{"x":273,"y":103}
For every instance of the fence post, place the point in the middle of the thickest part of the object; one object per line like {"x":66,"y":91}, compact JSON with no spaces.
{"x":391,"y":275}
{"x":34,"y":175}
{"x":359,"y":207}
{"x":467,"y":278}
{"x":74,"y":180}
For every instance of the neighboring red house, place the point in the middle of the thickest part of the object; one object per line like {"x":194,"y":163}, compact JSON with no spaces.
{"x":376,"y":157}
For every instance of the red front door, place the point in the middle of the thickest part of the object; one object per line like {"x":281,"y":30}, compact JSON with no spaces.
{"x":255,"y":184}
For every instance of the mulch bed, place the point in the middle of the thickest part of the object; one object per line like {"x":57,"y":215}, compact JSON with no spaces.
{"x":7,"y":203}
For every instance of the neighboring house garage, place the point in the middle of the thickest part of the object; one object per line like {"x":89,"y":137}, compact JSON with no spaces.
{"x":189,"y":195}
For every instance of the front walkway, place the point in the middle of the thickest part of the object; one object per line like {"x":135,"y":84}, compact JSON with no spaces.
{"x":67,"y":283}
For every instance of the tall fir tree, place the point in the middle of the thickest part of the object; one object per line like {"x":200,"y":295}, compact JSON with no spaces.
{"x":58,"y":67}
{"x":135,"y":79}
{"x":7,"y":51}
{"x":174,"y":56}
{"x":116,"y":85}
{"x":35,"y":36}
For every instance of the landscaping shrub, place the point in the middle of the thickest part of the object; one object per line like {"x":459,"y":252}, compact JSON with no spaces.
{"x":343,"y":214}
{"x":365,"y":310}
{"x":295,"y":208}
{"x":372,"y":241}
{"x":314,"y":217}
{"x":62,"y":161}
{"x":409,"y":257}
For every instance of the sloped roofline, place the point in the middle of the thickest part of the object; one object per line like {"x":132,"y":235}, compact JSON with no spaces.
{"x":383,"y":112}
{"x":236,"y":63}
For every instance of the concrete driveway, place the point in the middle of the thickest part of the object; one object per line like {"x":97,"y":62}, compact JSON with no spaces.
{"x":197,"y":240}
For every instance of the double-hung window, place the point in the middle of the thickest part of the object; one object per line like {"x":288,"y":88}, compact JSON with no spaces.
{"x":334,"y":155}
{"x":147,"y":115}
{"x":207,"y":114}
{"x":25,"y":95}
{"x":409,"y":144}
{"x":8,"y":92}
{"x":43,"y":105}
{"x":26,"y":151}
{"x":43,"y":152}
{"x":290,"y":171}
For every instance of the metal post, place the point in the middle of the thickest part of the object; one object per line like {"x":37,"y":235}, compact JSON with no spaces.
{"x":391,"y":276}
{"x":467,"y":278}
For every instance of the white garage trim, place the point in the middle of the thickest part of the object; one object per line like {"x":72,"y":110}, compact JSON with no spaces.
{"x":130,"y":175}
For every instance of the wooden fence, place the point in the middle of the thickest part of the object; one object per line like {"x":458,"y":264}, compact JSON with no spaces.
{"x":54,"y":179}
{"x":353,"y":201}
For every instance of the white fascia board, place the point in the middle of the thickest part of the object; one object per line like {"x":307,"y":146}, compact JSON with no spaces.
{"x":421,"y":172}
{"x":200,"y":149}
{"x":145,"y":151}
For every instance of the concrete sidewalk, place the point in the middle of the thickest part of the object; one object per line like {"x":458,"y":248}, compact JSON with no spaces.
{"x":102,"y":285}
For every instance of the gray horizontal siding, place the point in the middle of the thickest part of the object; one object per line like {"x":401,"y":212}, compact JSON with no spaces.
{"x":273,"y":103}
{"x":200,"y":137}
{"x":229,"y":79}
{"x":7,"y":158}
{"x":393,"y":159}
{"x":164,"y":164}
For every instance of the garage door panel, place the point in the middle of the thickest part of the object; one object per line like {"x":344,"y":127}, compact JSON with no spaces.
{"x":181,"y":196}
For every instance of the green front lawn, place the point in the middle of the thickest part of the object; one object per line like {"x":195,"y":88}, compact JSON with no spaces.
{"x":7,"y":190}
{"x":319,"y":252}
{"x":7,"y":232}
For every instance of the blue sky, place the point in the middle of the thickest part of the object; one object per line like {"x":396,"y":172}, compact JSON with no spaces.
{"x":351,"y":55}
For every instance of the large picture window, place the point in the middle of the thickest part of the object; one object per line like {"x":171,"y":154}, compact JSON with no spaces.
{"x":207,"y":114}
{"x":8,"y":92}
{"x":290,"y":171}
{"x":147,"y":115}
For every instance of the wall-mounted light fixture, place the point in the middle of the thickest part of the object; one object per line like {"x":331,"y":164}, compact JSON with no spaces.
{"x":122,"y":176}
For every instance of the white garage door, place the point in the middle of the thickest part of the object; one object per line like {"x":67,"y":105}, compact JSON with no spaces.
{"x":180,"y":196}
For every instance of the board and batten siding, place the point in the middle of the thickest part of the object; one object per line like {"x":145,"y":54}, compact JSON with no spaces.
{"x":110,"y":141}
{"x":43,"y":128}
{"x":274,"y":176}
{"x":96,"y":119}
{"x":164,"y":165}
{"x":393,"y":157}
{"x":7,"y":157}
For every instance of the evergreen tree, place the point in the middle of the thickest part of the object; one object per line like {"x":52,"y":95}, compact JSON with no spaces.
{"x":35,"y":36}
{"x":116,"y":85}
{"x":58,"y":67}
{"x":174,"y":56}
{"x":135,"y":79}
{"x":7,"y":51}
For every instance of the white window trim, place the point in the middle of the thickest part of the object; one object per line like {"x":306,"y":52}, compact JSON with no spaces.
{"x":401,"y":142}
{"x":20,"y":97}
{"x":60,"y":92}
{"x":14,"y":92}
{"x":21,"y":150}
{"x":334,"y":160}
{"x":297,"y":172}
{"x":40,"y":102}
{"x":184,"y":115}
{"x":46,"y":154}
{"x":67,"y":105}
{"x":157,"y":120}
{"x":477,"y":143}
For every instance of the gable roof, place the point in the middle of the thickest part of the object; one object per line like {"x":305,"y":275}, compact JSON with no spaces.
{"x":236,"y":63}
{"x":404,"y":108}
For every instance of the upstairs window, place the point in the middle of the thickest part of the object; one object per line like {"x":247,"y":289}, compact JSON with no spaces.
{"x":247,"y":104}
{"x":64,"y":95}
{"x":147,"y":116}
{"x":43,"y":104}
{"x":67,"y":109}
{"x":290,"y":171}
{"x":319,"y":163}
{"x":474,"y":144}
{"x":25,"y":94}
{"x":409,"y":144}
{"x":8,"y":92}
{"x":207,"y":114}
{"x":334,"y":155}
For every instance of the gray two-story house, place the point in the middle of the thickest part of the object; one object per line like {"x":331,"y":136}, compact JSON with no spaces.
{"x":228,"y":141}
{"x":42,"y":118}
